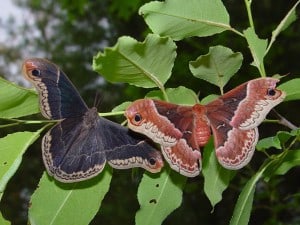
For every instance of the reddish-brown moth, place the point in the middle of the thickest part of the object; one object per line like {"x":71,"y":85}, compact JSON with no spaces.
{"x":233,"y":119}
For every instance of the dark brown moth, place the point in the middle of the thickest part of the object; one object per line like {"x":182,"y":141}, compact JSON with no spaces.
{"x":78,"y":146}
{"x":233,"y":119}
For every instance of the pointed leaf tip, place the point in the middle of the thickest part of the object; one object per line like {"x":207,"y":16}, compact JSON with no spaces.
{"x":217,"y":66}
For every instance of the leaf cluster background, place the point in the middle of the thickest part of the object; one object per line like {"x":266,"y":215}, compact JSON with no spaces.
{"x":71,"y":34}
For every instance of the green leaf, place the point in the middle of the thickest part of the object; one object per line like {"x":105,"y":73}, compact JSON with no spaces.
{"x":208,"y":99}
{"x":57,"y":203}
{"x":16,"y":101}
{"x":285,"y":23}
{"x":3,"y":221}
{"x":286,"y":159}
{"x":147,"y":64}
{"x":218,"y":66}
{"x":216,"y":178}
{"x":242,"y":209}
{"x":122,"y":107}
{"x":257,"y":47}
{"x":291,"y":89}
{"x":295,"y":132}
{"x":290,"y":160}
{"x":179,"y":95}
{"x":278,"y":140}
{"x":159,"y":195}
{"x":268,"y":142}
{"x":284,"y":136}
{"x":12,"y":148}
{"x":181,"y":19}
{"x":243,"y":206}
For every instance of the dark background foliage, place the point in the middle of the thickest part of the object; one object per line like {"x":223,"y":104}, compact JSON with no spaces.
{"x":70,"y":33}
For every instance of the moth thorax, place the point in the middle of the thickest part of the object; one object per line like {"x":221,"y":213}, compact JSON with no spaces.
{"x":199,"y":109}
{"x":90,"y":118}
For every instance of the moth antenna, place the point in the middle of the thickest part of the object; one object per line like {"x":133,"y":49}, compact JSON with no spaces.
{"x":197,"y":97}
{"x":98,"y":99}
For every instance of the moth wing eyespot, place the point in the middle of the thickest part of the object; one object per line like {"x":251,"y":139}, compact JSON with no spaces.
{"x":137,"y":118}
{"x":152,"y":161}
{"x":271,"y":92}
{"x":36,"y":72}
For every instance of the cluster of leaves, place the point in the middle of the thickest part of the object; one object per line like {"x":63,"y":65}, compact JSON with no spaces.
{"x":149,"y":64}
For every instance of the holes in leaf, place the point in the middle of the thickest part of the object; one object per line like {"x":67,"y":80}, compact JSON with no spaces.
{"x":153,"y":201}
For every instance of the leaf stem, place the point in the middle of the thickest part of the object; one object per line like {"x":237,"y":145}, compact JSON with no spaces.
{"x":111,"y":113}
{"x":283,"y":121}
{"x":280,"y":27}
{"x":292,"y":143}
{"x":237,"y":32}
{"x":261,"y":67}
{"x":159,"y":85}
{"x":18,"y":121}
{"x":249,"y":13}
{"x":163,"y":90}
{"x":9,"y":125}
{"x":262,"y":70}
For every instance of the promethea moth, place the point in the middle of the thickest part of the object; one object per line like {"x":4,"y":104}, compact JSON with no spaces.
{"x":233,"y":119}
{"x":78,"y":146}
